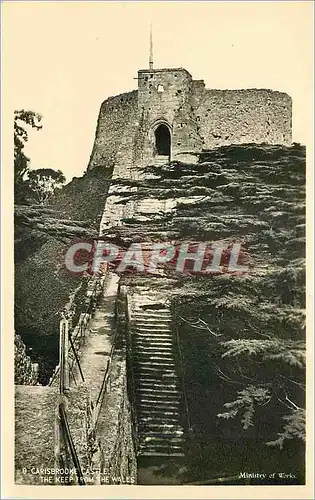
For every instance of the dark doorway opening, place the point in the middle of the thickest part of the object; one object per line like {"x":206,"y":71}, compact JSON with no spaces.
{"x":163,"y":141}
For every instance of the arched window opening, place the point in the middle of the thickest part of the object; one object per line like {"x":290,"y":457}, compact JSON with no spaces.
{"x":163,"y":141}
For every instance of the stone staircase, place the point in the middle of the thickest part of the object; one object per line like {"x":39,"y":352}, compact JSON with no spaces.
{"x":149,"y":206}
{"x":157,"y":385}
{"x":161,"y":160}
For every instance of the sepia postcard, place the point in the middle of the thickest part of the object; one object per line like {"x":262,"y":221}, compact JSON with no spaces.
{"x":157,"y":241}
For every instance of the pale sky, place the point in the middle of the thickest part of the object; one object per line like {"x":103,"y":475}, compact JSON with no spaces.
{"x":62,"y":59}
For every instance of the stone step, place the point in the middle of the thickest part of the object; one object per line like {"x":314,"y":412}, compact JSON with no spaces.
{"x":149,"y":358}
{"x":159,"y":411}
{"x":142,"y":350}
{"x":164,"y":446}
{"x":149,"y":329}
{"x":145,"y":347}
{"x":161,"y":318}
{"x":146,"y":419}
{"x":162,"y":413}
{"x":145,"y":341}
{"x":153,"y":316}
{"x":158,"y":377}
{"x":153,"y":400}
{"x":152,"y":335}
{"x":148,"y":339}
{"x":161,"y":447}
{"x":161,"y":440}
{"x":159,"y":432}
{"x":153,"y":343}
{"x":158,"y":397}
{"x":155,"y":358}
{"x":147,"y":354}
{"x":159,"y":427}
{"x":154,"y":320}
{"x":156,"y":352}
{"x":162,"y":314}
{"x":136,"y":330}
{"x":155,"y":347}
{"x":153,"y":363}
{"x":141,"y":318}
{"x":149,"y":388}
{"x":142,"y":304}
{"x":158,"y":405}
{"x":158,"y":402}
{"x":149,"y":384}
{"x":147,"y":453}
{"x":157,"y":391}
{"x":155,"y":372}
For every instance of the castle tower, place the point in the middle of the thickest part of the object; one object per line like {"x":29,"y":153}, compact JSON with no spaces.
{"x":171,"y":116}
{"x":165,"y":107}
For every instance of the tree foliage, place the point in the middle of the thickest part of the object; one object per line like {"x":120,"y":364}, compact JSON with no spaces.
{"x":248,"y":331}
{"x":22,"y":120}
{"x":43,"y":183}
{"x":31,"y":186}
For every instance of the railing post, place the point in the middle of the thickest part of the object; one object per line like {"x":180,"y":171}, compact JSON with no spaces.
{"x":67,"y":368}
{"x":64,"y":355}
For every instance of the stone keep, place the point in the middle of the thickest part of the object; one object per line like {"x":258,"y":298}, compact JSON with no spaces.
{"x":171,"y":116}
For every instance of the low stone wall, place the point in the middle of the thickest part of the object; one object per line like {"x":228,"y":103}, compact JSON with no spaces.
{"x":25,"y":372}
{"x":35,"y":426}
{"x":118,"y":463}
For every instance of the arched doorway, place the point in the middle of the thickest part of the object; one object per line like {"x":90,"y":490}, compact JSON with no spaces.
{"x":163,"y":141}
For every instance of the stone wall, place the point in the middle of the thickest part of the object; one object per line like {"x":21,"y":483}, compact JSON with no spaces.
{"x":35,"y":433}
{"x":244,"y":116}
{"x":114,"y":116}
{"x":117,"y":459}
{"x":25,"y":371}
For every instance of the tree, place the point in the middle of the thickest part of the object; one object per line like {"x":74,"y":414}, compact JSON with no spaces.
{"x":43,"y":183}
{"x":31,"y":185}
{"x":22,"y":120}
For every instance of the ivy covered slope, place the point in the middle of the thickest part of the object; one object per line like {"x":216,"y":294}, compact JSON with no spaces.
{"x":243,"y":336}
{"x":42,"y":284}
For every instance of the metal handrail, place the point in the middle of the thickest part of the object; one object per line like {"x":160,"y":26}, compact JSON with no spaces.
{"x":65,"y":368}
{"x":106,"y":376}
{"x":76,"y":358}
{"x":62,"y":355}
{"x":77,"y":338}
{"x":66,"y":429}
